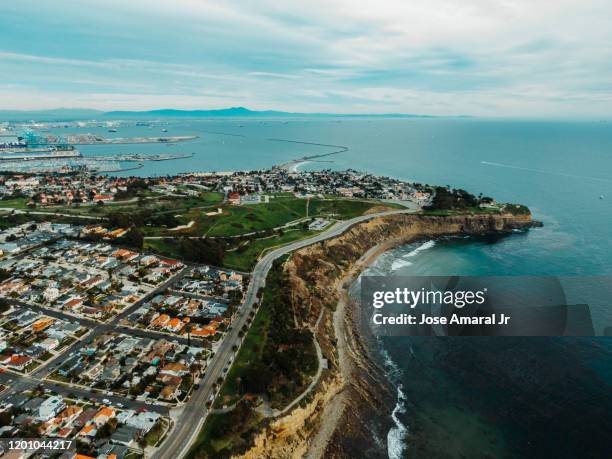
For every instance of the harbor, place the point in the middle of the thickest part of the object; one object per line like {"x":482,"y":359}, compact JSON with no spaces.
{"x":36,"y":151}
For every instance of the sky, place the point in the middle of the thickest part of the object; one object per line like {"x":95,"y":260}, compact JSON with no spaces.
{"x":491,"y":58}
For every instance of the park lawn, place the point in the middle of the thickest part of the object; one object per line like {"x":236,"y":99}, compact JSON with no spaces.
{"x":15,"y":203}
{"x":237,"y":220}
{"x":245,"y":259}
{"x":206,"y":198}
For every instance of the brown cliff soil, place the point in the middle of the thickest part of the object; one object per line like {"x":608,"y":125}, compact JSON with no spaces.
{"x":344,"y":417}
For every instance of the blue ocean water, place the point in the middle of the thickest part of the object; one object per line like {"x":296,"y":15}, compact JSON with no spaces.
{"x":465,"y":397}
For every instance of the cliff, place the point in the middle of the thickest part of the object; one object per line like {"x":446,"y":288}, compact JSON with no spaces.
{"x":348,"y":414}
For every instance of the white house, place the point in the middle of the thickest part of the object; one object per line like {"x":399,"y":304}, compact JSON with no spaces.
{"x":50,"y":407}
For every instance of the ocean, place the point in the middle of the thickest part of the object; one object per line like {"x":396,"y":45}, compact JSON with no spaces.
{"x":463,"y":397}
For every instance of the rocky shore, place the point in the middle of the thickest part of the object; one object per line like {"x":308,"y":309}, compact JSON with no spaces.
{"x":348,"y":414}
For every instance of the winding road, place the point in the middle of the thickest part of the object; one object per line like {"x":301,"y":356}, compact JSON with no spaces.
{"x":191,"y":417}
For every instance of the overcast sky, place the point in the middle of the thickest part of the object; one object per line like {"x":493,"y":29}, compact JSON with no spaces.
{"x":518,"y":58}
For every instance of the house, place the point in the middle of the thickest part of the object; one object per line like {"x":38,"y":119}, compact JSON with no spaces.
{"x":68,"y":414}
{"x":174,"y":325}
{"x":148,"y":260}
{"x":173,"y":369}
{"x":125,"y":435}
{"x":42,"y":324}
{"x":64,"y":432}
{"x":144,"y":421}
{"x":160,"y":321}
{"x":84,"y":418}
{"x":112,"y":451}
{"x":49,"y":344}
{"x":103,"y":416}
{"x":89,"y":431}
{"x":50,"y":407}
{"x":123,"y":416}
{"x":111,"y":373}
{"x":50,"y":294}
{"x":103,"y":197}
{"x":19,"y":362}
{"x":74,"y":304}
{"x":234,"y":198}
{"x":203,"y":332}
{"x":169,"y":392}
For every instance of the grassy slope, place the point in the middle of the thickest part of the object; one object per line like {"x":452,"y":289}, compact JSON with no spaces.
{"x":251,"y":350}
{"x":245,"y":259}
{"x":225,"y":433}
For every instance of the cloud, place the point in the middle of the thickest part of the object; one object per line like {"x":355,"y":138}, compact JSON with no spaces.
{"x":480,"y":57}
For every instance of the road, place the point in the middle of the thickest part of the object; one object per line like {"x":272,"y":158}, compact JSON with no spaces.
{"x":193,"y":415}
{"x":20,"y":383}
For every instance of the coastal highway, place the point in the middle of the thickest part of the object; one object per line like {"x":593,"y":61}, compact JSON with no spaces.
{"x":190,"y":421}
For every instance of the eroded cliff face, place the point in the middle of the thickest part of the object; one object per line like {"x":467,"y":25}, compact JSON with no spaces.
{"x":337,"y":421}
{"x":315,"y":270}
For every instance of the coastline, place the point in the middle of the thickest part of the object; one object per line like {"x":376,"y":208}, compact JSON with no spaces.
{"x":348,"y":412}
{"x":350,"y":360}
{"x":358,"y":358}
{"x":367,"y":393}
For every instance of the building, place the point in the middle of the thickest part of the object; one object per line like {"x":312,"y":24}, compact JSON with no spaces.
{"x":234,"y":198}
{"x":50,"y":408}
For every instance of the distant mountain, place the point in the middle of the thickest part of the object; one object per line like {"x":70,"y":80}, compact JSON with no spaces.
{"x":58,"y":114}
{"x":73,"y":114}
{"x":239,"y":112}
{"x":173,"y":113}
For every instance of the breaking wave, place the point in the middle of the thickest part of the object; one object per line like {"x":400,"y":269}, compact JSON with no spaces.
{"x":403,"y":260}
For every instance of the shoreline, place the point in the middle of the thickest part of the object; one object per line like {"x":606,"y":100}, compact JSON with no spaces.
{"x":349,"y":413}
{"x":357,"y":358}
{"x":366,"y":390}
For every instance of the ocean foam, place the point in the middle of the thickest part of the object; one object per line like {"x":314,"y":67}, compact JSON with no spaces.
{"x":403,"y":262}
{"x":396,"y":444}
{"x":400,"y":263}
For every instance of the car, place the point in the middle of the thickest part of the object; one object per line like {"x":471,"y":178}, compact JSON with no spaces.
{"x":105,"y":400}
{"x":120,"y":405}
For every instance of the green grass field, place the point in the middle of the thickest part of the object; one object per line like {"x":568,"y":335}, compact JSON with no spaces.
{"x":162,"y":247}
{"x":15,"y":203}
{"x":250,"y":351}
{"x":281,"y":210}
{"x":245,"y":219}
{"x":244,"y":259}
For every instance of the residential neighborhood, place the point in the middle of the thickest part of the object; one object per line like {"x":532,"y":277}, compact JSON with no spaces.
{"x":98,"y":342}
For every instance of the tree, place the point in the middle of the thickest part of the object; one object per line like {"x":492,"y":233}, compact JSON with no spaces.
{"x":134,"y":238}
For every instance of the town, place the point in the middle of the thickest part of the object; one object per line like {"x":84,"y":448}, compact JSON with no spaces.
{"x":99,"y":342}
{"x":124,"y":300}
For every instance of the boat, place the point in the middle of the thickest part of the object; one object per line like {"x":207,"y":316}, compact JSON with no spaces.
{"x":601,"y":196}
